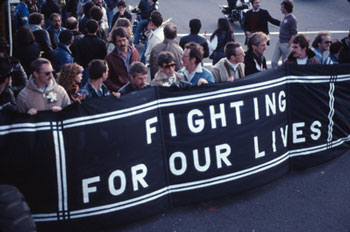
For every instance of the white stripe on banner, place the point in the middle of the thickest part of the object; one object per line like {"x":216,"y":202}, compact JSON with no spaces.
{"x":64,"y":171}
{"x":58,"y":168}
{"x":331,"y":111}
{"x":192,"y":185}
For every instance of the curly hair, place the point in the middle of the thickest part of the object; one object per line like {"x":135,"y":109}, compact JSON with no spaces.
{"x":66,"y":77}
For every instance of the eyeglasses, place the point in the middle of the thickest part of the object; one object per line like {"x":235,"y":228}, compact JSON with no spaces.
{"x":171,"y":65}
{"x":328,"y":42}
{"x":240,"y":54}
{"x":48,"y":73}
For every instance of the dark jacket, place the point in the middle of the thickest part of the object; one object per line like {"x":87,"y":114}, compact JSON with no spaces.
{"x":19,"y":76}
{"x":144,"y":7}
{"x":54,"y":35}
{"x":7,"y":100}
{"x":43,"y":38}
{"x":263,"y":19}
{"x":198,"y":39}
{"x":88,"y":48}
{"x":253,"y":63}
{"x":219,"y":52}
{"x":310,"y":54}
{"x":118,"y":74}
{"x":62,"y":55}
{"x":26,"y":54}
{"x":344,"y":56}
{"x":117,"y":16}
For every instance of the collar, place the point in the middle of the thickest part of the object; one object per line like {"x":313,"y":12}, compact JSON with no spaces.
{"x":233,"y":66}
{"x":256,"y":10}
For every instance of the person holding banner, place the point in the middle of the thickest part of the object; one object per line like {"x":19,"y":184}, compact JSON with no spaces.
{"x":42,"y":92}
{"x":138,"y":77}
{"x":301,"y":53}
{"x":7,"y":97}
{"x":193,"y":70}
{"x":255,"y":60}
{"x":231,"y":67}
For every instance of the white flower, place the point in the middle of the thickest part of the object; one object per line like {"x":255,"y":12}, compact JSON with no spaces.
{"x":51,"y":97}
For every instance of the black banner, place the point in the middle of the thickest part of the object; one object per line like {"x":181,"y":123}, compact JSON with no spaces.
{"x":107,"y":161}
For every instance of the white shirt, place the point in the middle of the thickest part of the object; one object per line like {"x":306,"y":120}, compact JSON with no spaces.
{"x":154,"y":38}
{"x":189,"y":75}
{"x":302,"y":61}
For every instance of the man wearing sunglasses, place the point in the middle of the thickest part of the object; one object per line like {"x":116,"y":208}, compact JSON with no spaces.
{"x":321,"y":46}
{"x":42,"y":92}
{"x":166,"y":75}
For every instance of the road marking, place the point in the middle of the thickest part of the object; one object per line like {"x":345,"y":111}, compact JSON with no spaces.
{"x":277,"y":33}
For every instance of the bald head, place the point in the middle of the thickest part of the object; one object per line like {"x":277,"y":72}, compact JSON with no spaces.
{"x":72,"y":23}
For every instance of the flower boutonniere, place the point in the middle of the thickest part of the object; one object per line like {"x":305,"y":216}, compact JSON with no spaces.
{"x":51,"y":97}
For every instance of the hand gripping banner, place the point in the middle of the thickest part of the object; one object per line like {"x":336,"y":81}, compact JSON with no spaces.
{"x":111,"y":161}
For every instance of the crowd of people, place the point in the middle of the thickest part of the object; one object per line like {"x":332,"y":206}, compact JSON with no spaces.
{"x":95,"y":53}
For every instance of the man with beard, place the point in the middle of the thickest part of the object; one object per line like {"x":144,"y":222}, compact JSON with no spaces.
{"x":301,"y":53}
{"x":42,"y":92}
{"x":120,"y":59}
{"x":321,"y":46}
{"x":255,"y":60}
{"x":55,"y":29}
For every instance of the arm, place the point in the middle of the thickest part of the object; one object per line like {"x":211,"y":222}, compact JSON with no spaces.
{"x":274,"y":21}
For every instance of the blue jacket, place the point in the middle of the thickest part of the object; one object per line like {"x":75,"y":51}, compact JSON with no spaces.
{"x":61,"y":55}
{"x":205,"y":74}
{"x":90,"y":91}
{"x":21,"y":15}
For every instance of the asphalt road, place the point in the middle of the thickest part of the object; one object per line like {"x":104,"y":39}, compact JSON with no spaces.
{"x":317,"y":199}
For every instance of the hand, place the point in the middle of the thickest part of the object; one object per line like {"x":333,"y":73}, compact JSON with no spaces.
{"x":116,"y":95}
{"x":56,"y":108}
{"x":231,"y":78}
{"x":80,"y":98}
{"x":202,"y":81}
{"x":32,"y":111}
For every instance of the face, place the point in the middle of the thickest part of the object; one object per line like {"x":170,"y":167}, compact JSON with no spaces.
{"x":326,"y":43}
{"x":168,"y":69}
{"x":44,"y":76}
{"x":98,"y":2}
{"x":78,"y":78}
{"x":256,"y":4}
{"x":122,"y":43}
{"x":121,"y":9}
{"x":239,"y":57}
{"x":283,"y":10}
{"x":138,"y":81}
{"x":56,"y":22}
{"x":259,"y":50}
{"x":187,"y":61}
{"x":105,"y":74}
{"x":298,"y":52}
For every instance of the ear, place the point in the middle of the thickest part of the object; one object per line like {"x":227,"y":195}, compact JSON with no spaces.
{"x":35,"y":74}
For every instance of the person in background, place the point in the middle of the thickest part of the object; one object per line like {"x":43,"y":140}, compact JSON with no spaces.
{"x":121,"y":22}
{"x":257,"y":19}
{"x":7,"y":97}
{"x":344,"y":56}
{"x":221,"y":36}
{"x":111,"y":10}
{"x":195,"y":27}
{"x":36,"y":23}
{"x":21,"y":14}
{"x":255,"y":60}
{"x":48,"y":8}
{"x":55,"y":29}
{"x":85,"y":17}
{"x":97,"y":14}
{"x":42,"y":92}
{"x":19,"y":76}
{"x":72,"y":25}
{"x":321,"y":46}
{"x":166,"y":76}
{"x":88,"y":48}
{"x":335,"y":49}
{"x":137,"y":76}
{"x":193,"y":70}
{"x":62,"y":54}
{"x":26,"y":49}
{"x":69,"y":78}
{"x":143,"y":6}
{"x":120,"y":60}
{"x":231,"y":67}
{"x":121,"y":13}
{"x":301,"y":53}
{"x":288,"y":28}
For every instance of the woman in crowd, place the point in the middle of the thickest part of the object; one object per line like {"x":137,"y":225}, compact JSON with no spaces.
{"x":221,"y":36}
{"x":121,"y":22}
{"x":26,"y":49}
{"x":69,"y":78}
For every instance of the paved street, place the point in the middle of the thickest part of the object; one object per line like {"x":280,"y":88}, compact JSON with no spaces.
{"x":317,"y":199}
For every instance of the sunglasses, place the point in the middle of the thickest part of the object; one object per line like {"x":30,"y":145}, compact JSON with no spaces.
{"x":328,"y":42}
{"x":171,"y":65}
{"x":48,"y":73}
